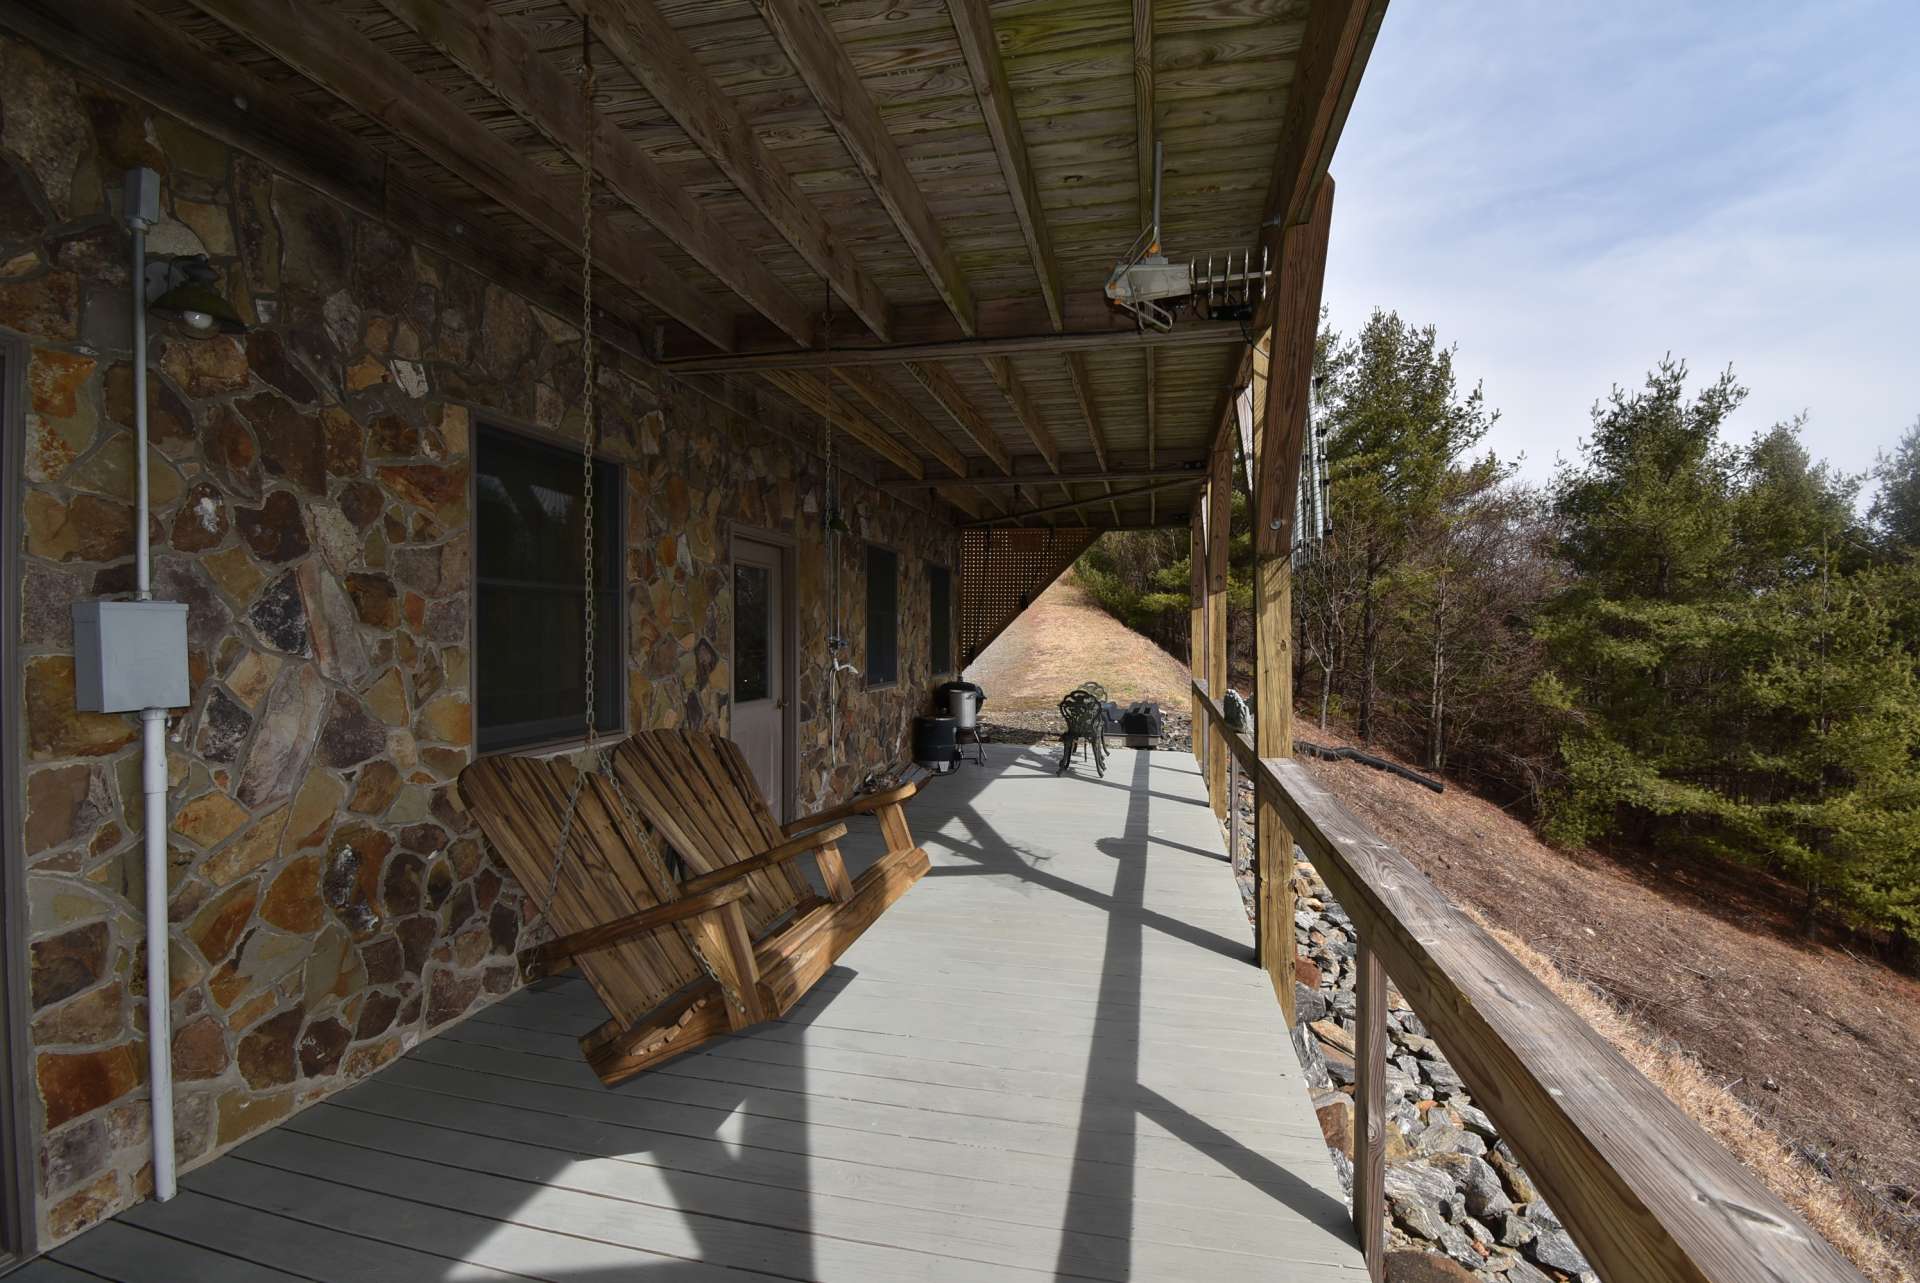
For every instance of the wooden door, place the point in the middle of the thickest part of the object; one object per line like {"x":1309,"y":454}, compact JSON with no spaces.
{"x":762,"y":641}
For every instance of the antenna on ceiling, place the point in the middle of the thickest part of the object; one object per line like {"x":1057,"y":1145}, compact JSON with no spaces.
{"x":1145,"y":284}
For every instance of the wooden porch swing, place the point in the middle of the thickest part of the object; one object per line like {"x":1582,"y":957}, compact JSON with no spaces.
{"x":726,"y":933}
{"x":739,"y":938}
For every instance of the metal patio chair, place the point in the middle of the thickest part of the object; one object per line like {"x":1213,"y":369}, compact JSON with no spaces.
{"x":1086,"y":718}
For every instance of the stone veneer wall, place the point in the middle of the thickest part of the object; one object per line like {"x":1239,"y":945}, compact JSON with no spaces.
{"x":331,"y":902}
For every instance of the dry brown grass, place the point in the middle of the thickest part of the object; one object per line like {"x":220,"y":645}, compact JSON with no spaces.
{"x":1064,"y":639}
{"x":1827,"y":1206}
{"x":1805,"y":1036}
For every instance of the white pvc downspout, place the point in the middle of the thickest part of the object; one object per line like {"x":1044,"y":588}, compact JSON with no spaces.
{"x":153,"y":767}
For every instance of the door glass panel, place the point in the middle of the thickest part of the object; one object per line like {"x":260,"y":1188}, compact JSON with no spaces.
{"x":752,"y":633}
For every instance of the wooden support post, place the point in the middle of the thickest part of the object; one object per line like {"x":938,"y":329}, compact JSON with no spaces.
{"x":1370,"y":1104}
{"x":1197,"y":621}
{"x":1273,"y":864}
{"x":1219,"y":520}
{"x":1283,"y":385}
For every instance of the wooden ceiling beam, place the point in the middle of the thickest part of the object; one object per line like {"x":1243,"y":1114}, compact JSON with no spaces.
{"x":885,"y":398}
{"x":1075,"y":478}
{"x":1083,"y":393}
{"x":1143,"y":123}
{"x":329,"y":51}
{"x":817,"y":55}
{"x":1153,"y":423}
{"x":948,"y":394}
{"x":902,"y":413}
{"x":639,"y":36}
{"x":974,"y":25}
{"x":1074,"y":505}
{"x":815,"y":394}
{"x":1172,"y":521}
{"x":150,"y":59}
{"x":1285,"y":377}
{"x":1008,"y":381}
{"x":1194,"y":335}
{"x":1087,"y":311}
{"x":969,"y":501}
{"x":497,"y":55}
{"x":1333,"y":56}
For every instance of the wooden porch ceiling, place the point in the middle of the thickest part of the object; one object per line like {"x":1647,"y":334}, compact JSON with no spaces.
{"x":953,"y":179}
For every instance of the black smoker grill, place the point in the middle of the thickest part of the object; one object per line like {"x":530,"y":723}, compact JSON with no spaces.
{"x":1142,"y":724}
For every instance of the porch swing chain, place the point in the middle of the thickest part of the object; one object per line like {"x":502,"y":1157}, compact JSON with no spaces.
{"x":586,"y":471}
{"x":596,"y":761}
{"x":827,"y":518}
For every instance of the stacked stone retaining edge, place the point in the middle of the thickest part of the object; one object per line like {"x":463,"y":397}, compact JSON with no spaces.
{"x":1459,"y":1204}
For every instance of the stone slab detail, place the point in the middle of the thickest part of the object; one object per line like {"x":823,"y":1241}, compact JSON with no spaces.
{"x":331,"y":902}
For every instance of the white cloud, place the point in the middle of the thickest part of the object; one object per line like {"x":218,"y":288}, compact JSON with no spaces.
{"x":1568,"y":192}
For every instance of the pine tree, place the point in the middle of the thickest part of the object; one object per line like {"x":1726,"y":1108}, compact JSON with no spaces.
{"x":1399,"y":433}
{"x":1896,"y":509}
{"x":1636,"y":645}
{"x":1735,"y":676}
{"x":1833,"y":797}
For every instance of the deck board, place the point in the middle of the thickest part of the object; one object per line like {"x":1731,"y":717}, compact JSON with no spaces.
{"x":1053,"y":1058}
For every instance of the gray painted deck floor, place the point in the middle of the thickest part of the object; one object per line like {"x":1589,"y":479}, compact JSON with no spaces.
{"x":1052,"y":1058}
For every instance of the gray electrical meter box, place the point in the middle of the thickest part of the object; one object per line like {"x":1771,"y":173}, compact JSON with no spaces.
{"x":129,"y":655}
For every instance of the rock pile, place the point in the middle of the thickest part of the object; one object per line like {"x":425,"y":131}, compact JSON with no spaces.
{"x":1453,"y":1187}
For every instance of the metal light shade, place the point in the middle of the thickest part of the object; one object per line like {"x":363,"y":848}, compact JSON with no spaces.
{"x":189,"y":301}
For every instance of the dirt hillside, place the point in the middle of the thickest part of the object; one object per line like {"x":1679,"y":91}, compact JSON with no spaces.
{"x":1064,"y":639}
{"x":1818,"y":1041}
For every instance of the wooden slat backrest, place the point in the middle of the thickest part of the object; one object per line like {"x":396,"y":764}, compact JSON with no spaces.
{"x":698,"y":793}
{"x":656,"y":785}
{"x":717,"y":758}
{"x":731,"y":799}
{"x":520,"y":804}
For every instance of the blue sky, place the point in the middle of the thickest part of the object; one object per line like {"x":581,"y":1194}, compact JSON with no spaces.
{"x":1568,"y":191}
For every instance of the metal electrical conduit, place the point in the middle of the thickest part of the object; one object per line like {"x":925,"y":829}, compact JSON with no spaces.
{"x":153,"y":749}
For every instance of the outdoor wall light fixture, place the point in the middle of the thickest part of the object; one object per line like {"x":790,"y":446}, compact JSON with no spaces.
{"x":181,"y":290}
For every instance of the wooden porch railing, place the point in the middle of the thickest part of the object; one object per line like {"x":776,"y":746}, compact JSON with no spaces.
{"x":1646,"y":1194}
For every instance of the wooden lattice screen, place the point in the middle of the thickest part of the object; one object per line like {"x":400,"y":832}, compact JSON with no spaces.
{"x":1002,"y":570}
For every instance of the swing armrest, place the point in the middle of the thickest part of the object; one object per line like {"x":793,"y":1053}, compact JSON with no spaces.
{"x":859,"y":806}
{"x":765,"y":860}
{"x":555,"y":956}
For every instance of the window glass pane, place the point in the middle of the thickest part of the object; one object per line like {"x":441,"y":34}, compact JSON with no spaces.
{"x":940,"y":625}
{"x":530,"y":592}
{"x":752,"y":633}
{"x":883,"y":624}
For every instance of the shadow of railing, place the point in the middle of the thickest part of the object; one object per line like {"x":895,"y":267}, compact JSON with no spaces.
{"x":491,"y":1150}
{"x":1645,"y":1192}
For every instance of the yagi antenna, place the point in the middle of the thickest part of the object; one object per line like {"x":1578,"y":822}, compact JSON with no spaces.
{"x":1144,"y":284}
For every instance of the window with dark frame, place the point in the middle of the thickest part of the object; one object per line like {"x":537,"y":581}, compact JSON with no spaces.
{"x":883,"y":616}
{"x":530,"y":590}
{"x":940,"y":621}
